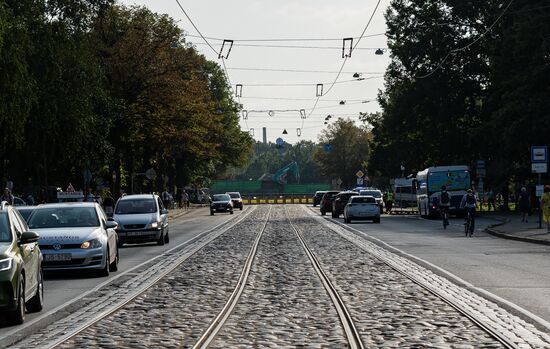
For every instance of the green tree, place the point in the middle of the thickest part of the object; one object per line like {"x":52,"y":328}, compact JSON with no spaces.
{"x":350,"y":149}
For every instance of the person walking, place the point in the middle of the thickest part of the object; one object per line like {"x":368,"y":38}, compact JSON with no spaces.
{"x":185,"y":199}
{"x":545,"y":206}
{"x":7,"y":196}
{"x":491,"y":200}
{"x":523,"y":204}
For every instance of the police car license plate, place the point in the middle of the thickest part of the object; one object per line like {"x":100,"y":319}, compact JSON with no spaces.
{"x":57,"y":257}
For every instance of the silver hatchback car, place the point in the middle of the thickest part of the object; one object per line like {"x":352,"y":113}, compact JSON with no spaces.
{"x":141,"y":218}
{"x":76,"y":236}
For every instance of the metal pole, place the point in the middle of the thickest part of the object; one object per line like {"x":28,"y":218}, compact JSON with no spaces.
{"x":540,"y":208}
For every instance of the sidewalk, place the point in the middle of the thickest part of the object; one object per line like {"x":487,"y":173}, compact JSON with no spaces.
{"x":512,"y":228}
{"x":178,"y":212}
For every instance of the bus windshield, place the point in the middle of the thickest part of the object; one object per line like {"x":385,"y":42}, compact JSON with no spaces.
{"x":453,"y":180}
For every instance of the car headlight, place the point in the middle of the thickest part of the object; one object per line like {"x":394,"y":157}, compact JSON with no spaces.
{"x":5,"y":264}
{"x":95,"y":243}
{"x":155,"y":225}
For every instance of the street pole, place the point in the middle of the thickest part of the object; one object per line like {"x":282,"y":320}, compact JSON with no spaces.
{"x":540,"y":208}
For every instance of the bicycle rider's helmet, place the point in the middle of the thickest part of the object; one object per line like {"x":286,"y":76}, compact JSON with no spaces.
{"x":469,"y":190}
{"x":443,"y":188}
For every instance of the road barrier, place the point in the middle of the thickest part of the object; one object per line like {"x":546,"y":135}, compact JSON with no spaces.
{"x":277,"y":199}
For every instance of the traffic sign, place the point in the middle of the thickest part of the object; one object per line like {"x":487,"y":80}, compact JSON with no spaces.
{"x":279,"y":141}
{"x":481,"y":172}
{"x":539,"y":190}
{"x":538,"y":167}
{"x":539,"y":153}
{"x":339,"y":181}
{"x":360,"y":181}
{"x":480,"y":164}
{"x":328,"y":148}
{"x":360,"y":174}
{"x":150,"y":174}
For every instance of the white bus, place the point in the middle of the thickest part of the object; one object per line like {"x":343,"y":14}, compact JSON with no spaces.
{"x":428,"y":187}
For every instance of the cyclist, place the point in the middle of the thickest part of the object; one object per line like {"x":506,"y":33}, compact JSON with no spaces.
{"x":444,"y":204}
{"x":469,"y":203}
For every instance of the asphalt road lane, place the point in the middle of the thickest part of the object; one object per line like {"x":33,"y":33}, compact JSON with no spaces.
{"x":516,"y":271}
{"x":59,"y":288}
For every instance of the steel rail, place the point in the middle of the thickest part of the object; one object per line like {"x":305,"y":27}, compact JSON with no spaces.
{"x":501,"y":338}
{"x":346,"y":319}
{"x":71,"y":334}
{"x":216,"y":325}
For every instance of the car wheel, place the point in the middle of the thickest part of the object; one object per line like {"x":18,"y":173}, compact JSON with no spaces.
{"x":36,"y":303}
{"x":323,"y":213}
{"x":376,"y":220}
{"x":105,"y":270}
{"x":166,"y":238}
{"x":334,"y":215}
{"x":314,"y":205}
{"x":114,"y":266}
{"x":161,"y":241}
{"x":211,"y":213}
{"x":241,"y":208}
{"x":231,"y":212}
{"x":120,"y":244}
{"x":17,"y":317}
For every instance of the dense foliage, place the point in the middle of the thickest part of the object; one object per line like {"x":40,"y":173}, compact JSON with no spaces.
{"x":453,"y":95}
{"x":89,"y":84}
{"x":348,"y":153}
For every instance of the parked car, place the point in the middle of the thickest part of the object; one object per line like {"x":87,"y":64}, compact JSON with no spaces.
{"x":76,"y":235}
{"x":141,"y":218}
{"x":221,"y":203}
{"x":326,"y":201}
{"x":376,"y":194}
{"x":318,"y":196}
{"x":25,"y":211}
{"x":17,"y":201}
{"x":340,"y":201}
{"x":236,"y":199}
{"x":21,"y":281}
{"x":362,"y":207}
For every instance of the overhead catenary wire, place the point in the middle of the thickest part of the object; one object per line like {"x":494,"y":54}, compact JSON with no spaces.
{"x":296,"y":46}
{"x":283,"y":39}
{"x":302,"y":71}
{"x":194,"y":26}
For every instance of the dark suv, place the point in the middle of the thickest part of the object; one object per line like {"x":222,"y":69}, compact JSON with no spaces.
{"x":326,"y":201}
{"x":317,"y":197}
{"x":340,"y":202}
{"x":21,"y":282}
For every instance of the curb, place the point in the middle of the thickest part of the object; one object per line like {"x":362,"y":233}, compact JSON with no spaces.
{"x":491,"y":231}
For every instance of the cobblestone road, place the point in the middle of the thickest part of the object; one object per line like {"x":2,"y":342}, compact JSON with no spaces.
{"x":284,"y":303}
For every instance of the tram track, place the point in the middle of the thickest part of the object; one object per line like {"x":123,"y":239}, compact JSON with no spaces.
{"x":95,"y":319}
{"x":485,"y":323}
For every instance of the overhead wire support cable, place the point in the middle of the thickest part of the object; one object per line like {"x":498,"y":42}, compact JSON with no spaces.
{"x":454,"y":51}
{"x":194,"y":26}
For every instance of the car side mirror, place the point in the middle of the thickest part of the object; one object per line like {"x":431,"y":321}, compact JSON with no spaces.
{"x":111,"y":224}
{"x":28,"y":237}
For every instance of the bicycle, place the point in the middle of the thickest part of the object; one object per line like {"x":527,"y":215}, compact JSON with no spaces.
{"x":445,"y":216}
{"x":468,"y":225}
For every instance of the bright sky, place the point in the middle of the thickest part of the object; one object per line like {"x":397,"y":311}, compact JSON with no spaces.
{"x":240,"y":20}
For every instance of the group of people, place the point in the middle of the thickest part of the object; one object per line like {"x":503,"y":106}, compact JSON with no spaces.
{"x":181,"y":199}
{"x":469,"y":203}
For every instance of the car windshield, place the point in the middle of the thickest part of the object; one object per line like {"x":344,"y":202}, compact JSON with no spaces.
{"x":63,"y":217}
{"x":374,"y":193}
{"x":362,"y":200}
{"x":220,"y":197}
{"x":234,"y":195}
{"x":347,"y":196}
{"x":136,"y":206}
{"x":5,"y":234}
{"x":25,"y":213}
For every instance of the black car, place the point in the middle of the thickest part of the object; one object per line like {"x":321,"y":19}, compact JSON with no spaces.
{"x":340,"y":202}
{"x":221,"y":203}
{"x":326,"y":201}
{"x":317,"y":197}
